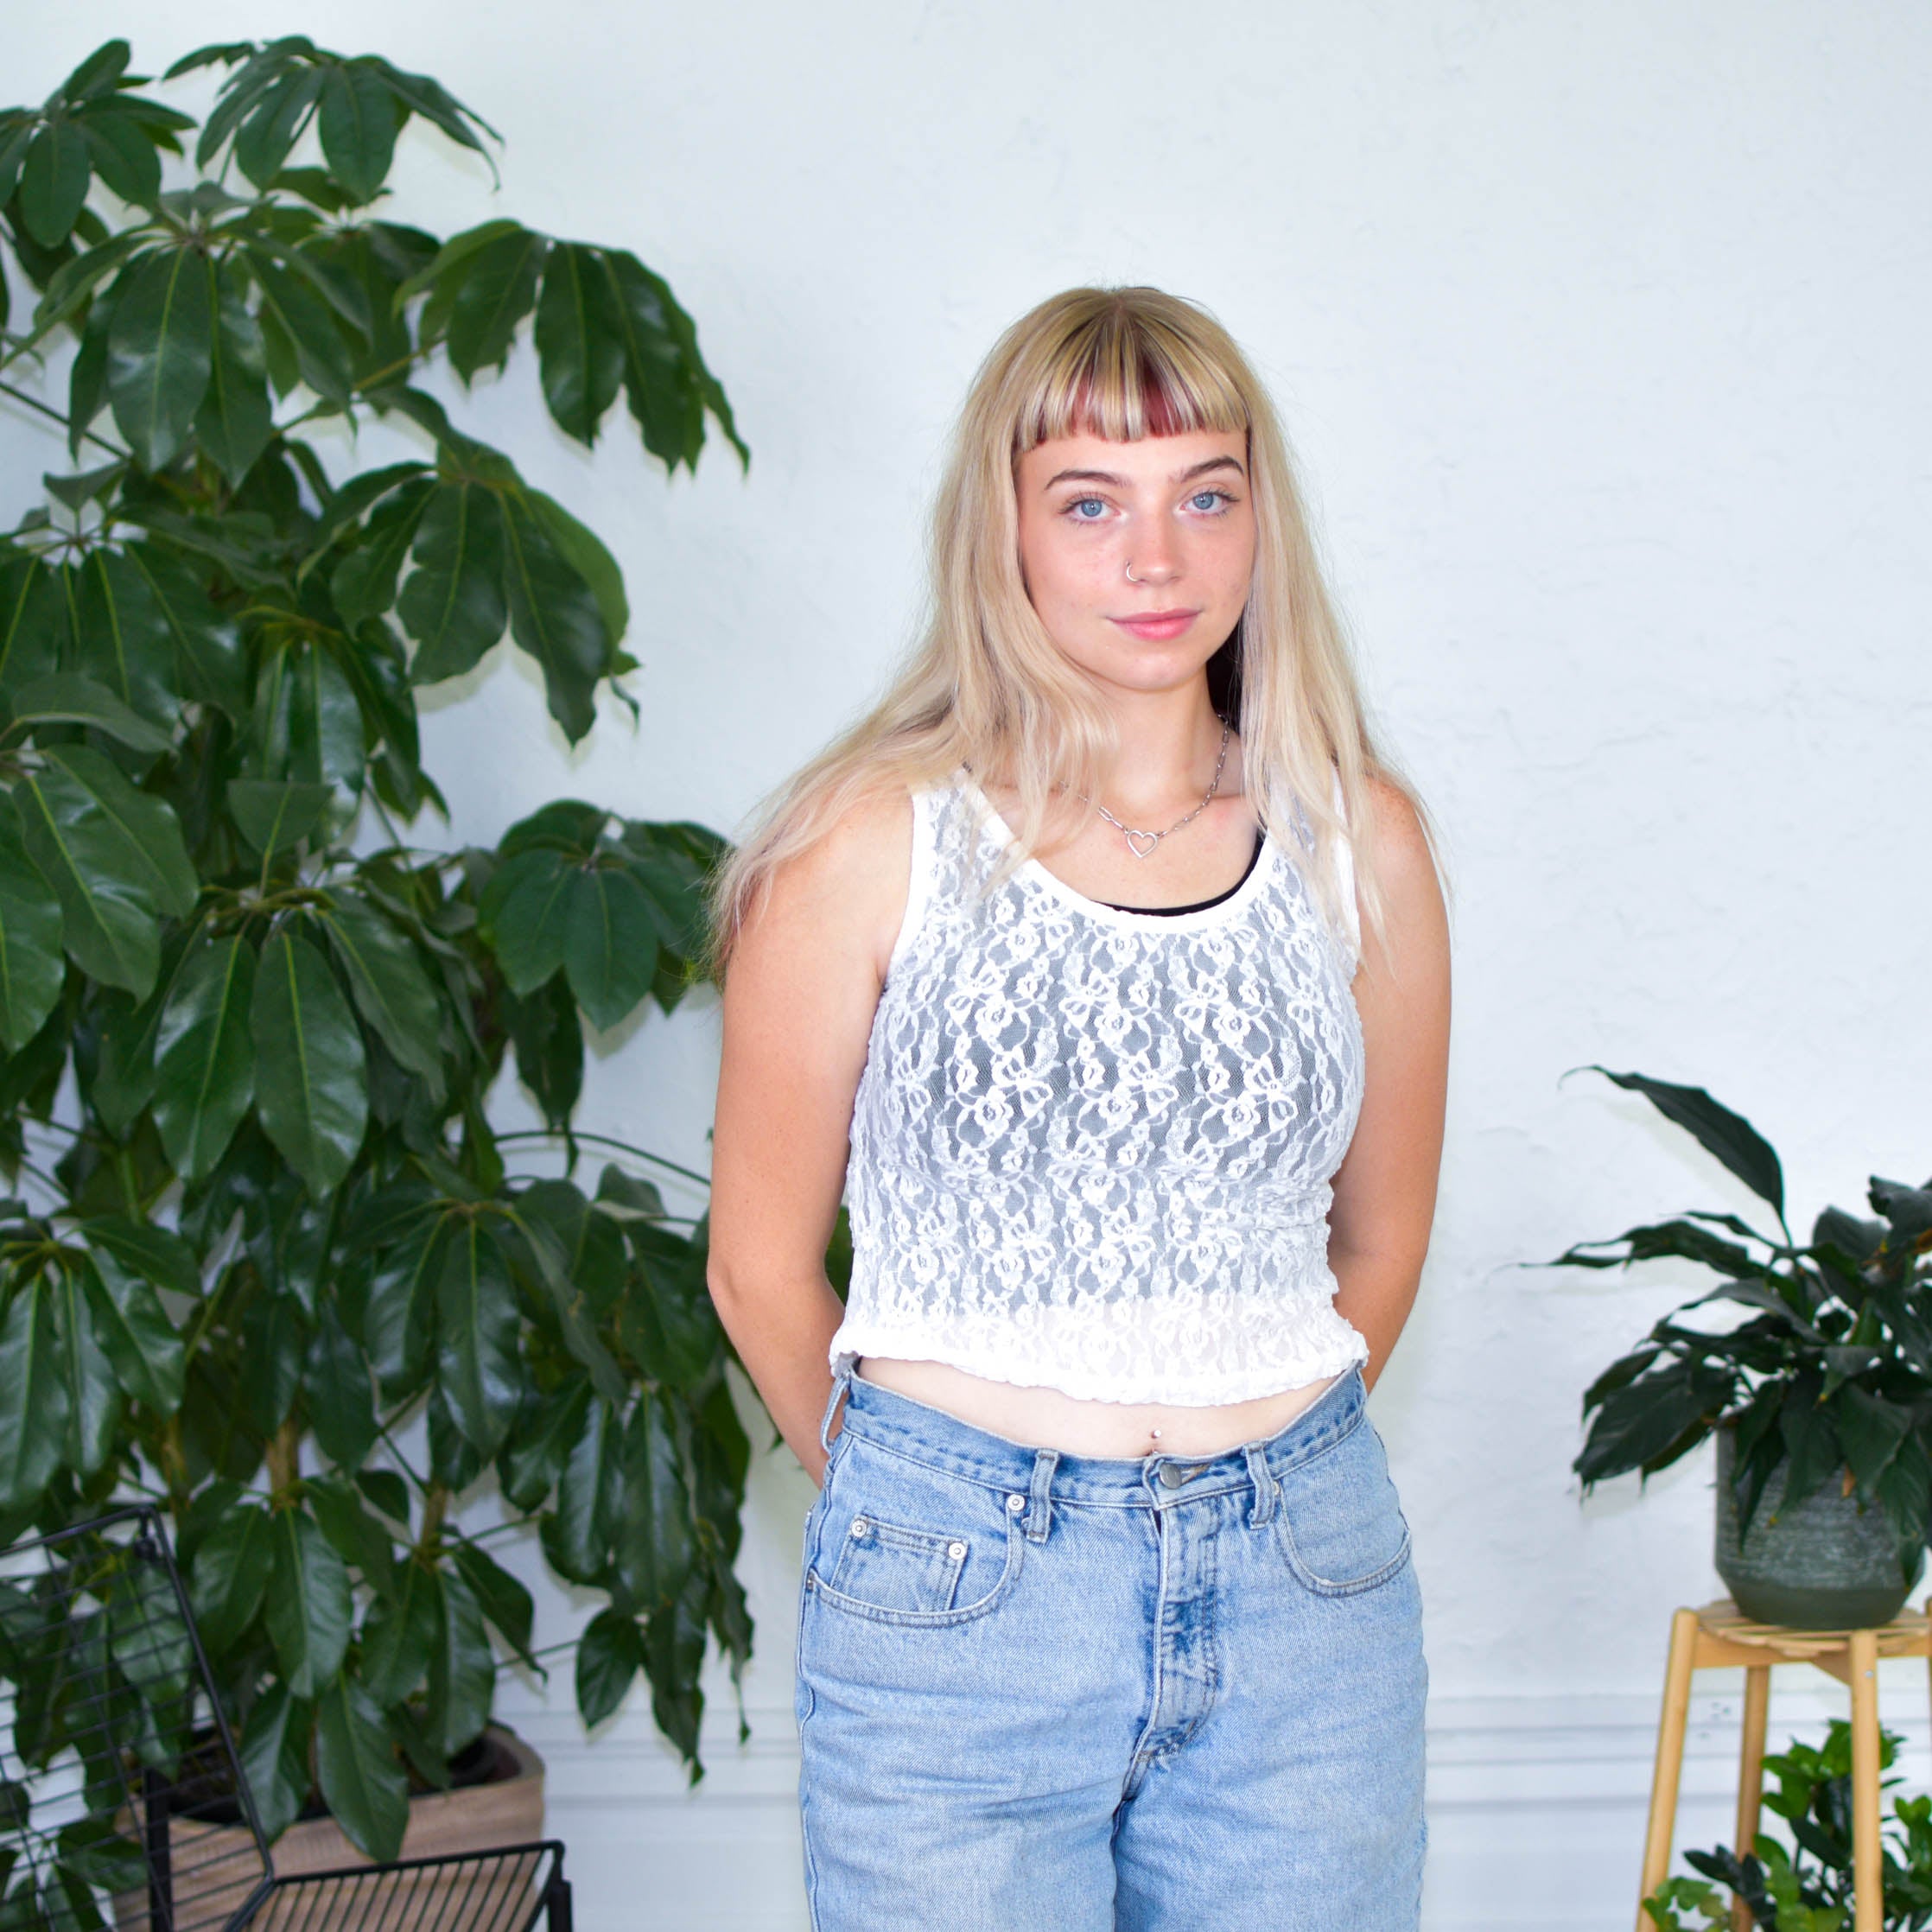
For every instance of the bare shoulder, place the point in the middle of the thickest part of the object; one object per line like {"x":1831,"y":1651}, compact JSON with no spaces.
{"x":1404,"y":860}
{"x":1414,"y":919}
{"x":845,"y":891}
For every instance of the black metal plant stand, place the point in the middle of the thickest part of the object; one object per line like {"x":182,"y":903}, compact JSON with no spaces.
{"x":123,"y":1801}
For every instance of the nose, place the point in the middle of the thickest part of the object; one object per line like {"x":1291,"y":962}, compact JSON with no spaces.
{"x":1153,"y":558}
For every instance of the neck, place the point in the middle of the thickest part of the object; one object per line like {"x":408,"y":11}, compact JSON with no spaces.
{"x":1166,"y":744}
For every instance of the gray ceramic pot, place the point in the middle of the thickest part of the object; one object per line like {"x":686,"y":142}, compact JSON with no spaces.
{"x":1831,"y":1564}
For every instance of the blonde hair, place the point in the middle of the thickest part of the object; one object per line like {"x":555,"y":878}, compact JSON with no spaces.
{"x":987,"y":688}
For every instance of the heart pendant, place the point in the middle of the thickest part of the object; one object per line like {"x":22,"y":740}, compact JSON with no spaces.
{"x":1139,"y":850}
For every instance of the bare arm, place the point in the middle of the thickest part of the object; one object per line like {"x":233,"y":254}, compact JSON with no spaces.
{"x":799,"y":997}
{"x":1385,"y":1188}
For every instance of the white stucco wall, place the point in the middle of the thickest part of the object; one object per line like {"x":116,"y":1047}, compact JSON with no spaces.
{"x":1600,"y":335}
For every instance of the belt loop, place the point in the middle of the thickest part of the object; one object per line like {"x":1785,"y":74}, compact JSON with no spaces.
{"x":841,"y":1382}
{"x":1039,"y":1512}
{"x":1266,"y":1488}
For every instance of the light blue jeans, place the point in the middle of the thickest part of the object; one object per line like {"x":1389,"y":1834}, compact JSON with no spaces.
{"x":1046,"y":1692}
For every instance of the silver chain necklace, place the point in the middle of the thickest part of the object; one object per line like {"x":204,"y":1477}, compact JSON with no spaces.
{"x":1134,"y":834}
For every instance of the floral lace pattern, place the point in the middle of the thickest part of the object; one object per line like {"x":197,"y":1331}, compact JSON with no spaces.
{"x":1092,"y":1149}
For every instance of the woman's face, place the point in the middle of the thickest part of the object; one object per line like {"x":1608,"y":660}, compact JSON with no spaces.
{"x":1176,"y":511}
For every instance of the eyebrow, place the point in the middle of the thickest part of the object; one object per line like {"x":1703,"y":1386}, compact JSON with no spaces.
{"x":1108,"y":476}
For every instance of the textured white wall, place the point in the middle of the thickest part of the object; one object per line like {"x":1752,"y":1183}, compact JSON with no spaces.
{"x":1600,"y":334}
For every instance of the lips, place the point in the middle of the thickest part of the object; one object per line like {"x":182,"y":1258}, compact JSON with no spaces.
{"x":1158,"y":624}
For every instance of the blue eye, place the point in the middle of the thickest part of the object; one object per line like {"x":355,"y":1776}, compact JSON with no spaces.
{"x":1082,"y":504}
{"x":1211,"y":500}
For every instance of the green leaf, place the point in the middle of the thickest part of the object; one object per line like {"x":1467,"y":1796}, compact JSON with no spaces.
{"x":398,"y":1317}
{"x":555,"y":616}
{"x":391,"y":991}
{"x":479,"y":1363}
{"x":309,"y":1085}
{"x":452,"y":604}
{"x":610,"y":943}
{"x":275,"y":814}
{"x":1730,"y":1137}
{"x":73,"y":699}
{"x":462,"y":1670}
{"x":362,"y":1784}
{"x":144,"y":1348}
{"x":33,"y":618}
{"x":523,"y":915}
{"x":154,"y":1254}
{"x":235,"y":421}
{"x":533,"y":1458}
{"x":274,"y":1748}
{"x":274,"y":124}
{"x":341,"y":1393}
{"x":308,"y":1605}
{"x":495,"y":295}
{"x":273,"y":1344}
{"x":364,"y":582}
{"x":230,"y":1576}
{"x":206,"y":640}
{"x":580,"y":342}
{"x":546,"y":1031}
{"x":355,"y":1535}
{"x":320,"y":350}
{"x":1872,"y":1430}
{"x":358,"y":125}
{"x":159,"y":351}
{"x":123,"y":155}
{"x":93,"y":1396}
{"x":139,"y":830}
{"x":503,"y":1599}
{"x":1649,"y":1417}
{"x":121,"y":640}
{"x":666,"y":382}
{"x":53,"y":179}
{"x":32,"y":969}
{"x":585,"y":552}
{"x":33,"y":1399}
{"x":205,"y":1056}
{"x":654,"y":1549}
{"x":609,"y":1656}
{"x":577,"y":1536}
{"x":400,"y":1635}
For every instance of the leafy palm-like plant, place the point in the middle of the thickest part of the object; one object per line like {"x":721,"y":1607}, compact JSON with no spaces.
{"x":261,"y":1222}
{"x":1831,"y":1371}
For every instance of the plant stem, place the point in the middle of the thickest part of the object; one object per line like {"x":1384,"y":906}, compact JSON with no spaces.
{"x":284,"y":1458}
{"x":605,"y":1141}
{"x":436,"y":1505}
{"x":35,"y":403}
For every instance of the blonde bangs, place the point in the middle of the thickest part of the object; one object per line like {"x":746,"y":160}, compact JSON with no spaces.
{"x":1121,"y":373}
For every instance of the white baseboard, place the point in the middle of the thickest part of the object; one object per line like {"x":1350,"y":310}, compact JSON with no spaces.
{"x":1536,"y":1805}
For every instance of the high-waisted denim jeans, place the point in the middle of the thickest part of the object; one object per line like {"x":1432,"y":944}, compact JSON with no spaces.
{"x":1048,"y":1692}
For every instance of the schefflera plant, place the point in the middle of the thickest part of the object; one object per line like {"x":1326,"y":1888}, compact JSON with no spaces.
{"x":257,"y":1024}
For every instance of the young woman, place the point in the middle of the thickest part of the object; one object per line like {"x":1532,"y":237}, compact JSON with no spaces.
{"x":1103,"y":970}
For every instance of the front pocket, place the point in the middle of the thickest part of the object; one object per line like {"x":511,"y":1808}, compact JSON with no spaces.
{"x":892,"y":1567}
{"x":905,"y":1544}
{"x":1339,"y":1520}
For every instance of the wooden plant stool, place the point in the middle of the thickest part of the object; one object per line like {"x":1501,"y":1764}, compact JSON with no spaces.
{"x":1721,"y":1636}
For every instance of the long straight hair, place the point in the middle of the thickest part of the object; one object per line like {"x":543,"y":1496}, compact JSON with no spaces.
{"x":987,"y":688}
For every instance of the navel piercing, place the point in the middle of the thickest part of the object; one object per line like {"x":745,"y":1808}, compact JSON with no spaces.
{"x":1155,"y":1433}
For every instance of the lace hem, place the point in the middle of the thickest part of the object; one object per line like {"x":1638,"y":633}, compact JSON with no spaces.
{"x":1286,"y":1347}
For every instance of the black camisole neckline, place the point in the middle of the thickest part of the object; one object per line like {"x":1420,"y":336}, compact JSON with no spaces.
{"x":1199,"y":904}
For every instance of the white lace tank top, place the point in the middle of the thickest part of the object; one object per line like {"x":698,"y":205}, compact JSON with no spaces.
{"x":1091,"y":1148}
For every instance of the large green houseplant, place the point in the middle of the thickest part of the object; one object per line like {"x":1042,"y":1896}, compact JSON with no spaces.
{"x":1828,"y":1378}
{"x":261,"y":1226}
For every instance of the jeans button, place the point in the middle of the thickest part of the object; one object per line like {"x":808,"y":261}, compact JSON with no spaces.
{"x":1172,"y":1475}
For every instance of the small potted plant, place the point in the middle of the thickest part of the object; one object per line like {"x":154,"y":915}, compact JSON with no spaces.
{"x":1807,"y":1885}
{"x":1820,"y":1397}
